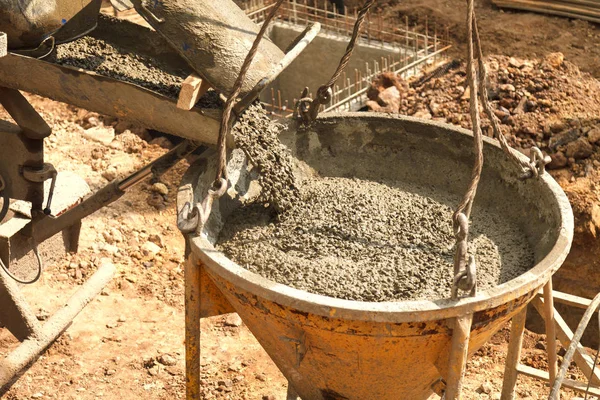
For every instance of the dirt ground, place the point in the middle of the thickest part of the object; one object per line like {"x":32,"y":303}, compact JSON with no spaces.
{"x":506,"y":32}
{"x":129,"y":342}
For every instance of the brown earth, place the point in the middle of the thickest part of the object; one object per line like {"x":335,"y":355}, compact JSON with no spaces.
{"x":124,"y":344}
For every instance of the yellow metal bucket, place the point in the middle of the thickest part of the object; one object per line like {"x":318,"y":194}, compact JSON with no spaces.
{"x":338,"y":349}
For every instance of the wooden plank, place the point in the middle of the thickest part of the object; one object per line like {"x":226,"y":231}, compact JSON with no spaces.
{"x":527,"y":6}
{"x":192,"y":88}
{"x":561,"y":7}
{"x":589,"y":4}
{"x":569,"y":299}
{"x":513,"y":355}
{"x":567,"y":383}
{"x":565,"y":334}
{"x":550,"y":331}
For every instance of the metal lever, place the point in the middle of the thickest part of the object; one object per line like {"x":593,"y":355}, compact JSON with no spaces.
{"x":47,"y":210}
{"x":38,"y":175}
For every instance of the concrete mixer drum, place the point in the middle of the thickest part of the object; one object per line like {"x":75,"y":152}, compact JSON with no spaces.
{"x":29,"y":22}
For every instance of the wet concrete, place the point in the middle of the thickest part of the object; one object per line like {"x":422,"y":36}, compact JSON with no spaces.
{"x":371,"y":241}
{"x":257,"y":136}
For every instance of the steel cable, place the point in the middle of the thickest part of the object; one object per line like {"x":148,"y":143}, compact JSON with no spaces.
{"x":308,"y":108}
{"x":225,"y":127}
{"x":464,"y":266}
{"x":39,"y":269}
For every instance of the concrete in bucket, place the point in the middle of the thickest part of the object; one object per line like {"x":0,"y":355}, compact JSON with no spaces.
{"x":338,"y":349}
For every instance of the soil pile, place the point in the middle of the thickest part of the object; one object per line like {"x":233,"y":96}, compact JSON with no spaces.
{"x":548,"y":103}
{"x":362,"y":240}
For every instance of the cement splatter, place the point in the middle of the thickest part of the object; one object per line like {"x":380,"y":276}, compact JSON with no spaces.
{"x":370,"y":241}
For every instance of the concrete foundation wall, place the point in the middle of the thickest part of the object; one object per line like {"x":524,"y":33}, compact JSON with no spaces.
{"x":319,"y":60}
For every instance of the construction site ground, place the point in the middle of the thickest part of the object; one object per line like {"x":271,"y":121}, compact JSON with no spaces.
{"x":129,"y":342}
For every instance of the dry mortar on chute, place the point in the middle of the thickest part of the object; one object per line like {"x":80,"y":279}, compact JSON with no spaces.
{"x":329,"y":343}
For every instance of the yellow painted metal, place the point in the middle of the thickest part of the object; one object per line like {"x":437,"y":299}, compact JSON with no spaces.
{"x":336,"y":358}
{"x":338,"y":349}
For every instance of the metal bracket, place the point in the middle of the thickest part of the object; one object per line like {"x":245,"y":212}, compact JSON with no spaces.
{"x":38,"y":175}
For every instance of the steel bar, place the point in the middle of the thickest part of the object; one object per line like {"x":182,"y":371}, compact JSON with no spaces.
{"x":30,"y":349}
{"x":458,"y":356}
{"x":399,"y":71}
{"x":296,"y":47}
{"x":48,"y":227}
{"x":513,"y":355}
{"x":161,"y":165}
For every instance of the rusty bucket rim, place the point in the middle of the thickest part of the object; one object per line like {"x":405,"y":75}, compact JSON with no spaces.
{"x":406,"y":310}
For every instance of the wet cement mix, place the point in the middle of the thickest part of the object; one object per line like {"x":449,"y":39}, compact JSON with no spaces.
{"x":106,"y":59}
{"x":370,"y":241}
{"x":257,"y":136}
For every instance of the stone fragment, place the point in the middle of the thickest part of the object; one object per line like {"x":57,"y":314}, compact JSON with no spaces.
{"x":558,"y":160}
{"x":167,"y":359}
{"x":161,"y":188}
{"x":485,"y":387}
{"x":150,"y":248}
{"x":554,"y":60}
{"x":579,"y":149}
{"x":389,"y":97}
{"x":100,"y":134}
{"x":594,"y":135}
{"x":233,"y":319}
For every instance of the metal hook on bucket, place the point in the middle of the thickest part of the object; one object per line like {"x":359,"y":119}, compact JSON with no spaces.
{"x":537,"y":164}
{"x":192,"y":219}
{"x":307,"y":109}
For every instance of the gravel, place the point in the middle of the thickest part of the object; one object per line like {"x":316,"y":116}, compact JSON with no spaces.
{"x":370,"y":241}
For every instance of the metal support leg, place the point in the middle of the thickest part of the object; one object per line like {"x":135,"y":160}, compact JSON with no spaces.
{"x":458,"y":356}
{"x":73,"y":232}
{"x":15,"y":313}
{"x":513,"y":355}
{"x":550,"y":331}
{"x":192,"y":328}
{"x":291,"y":393}
{"x":28,"y":351}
